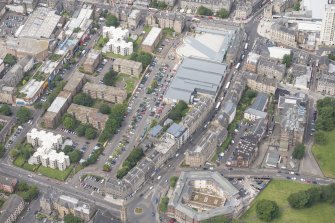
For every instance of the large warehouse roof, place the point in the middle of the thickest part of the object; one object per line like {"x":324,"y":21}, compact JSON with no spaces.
{"x":196,"y":74}
{"x":40,"y":24}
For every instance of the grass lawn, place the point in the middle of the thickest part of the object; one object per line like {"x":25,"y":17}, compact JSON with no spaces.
{"x":112,"y":55}
{"x":100,"y":42}
{"x":279,"y":190}
{"x":325,"y":155}
{"x":19,"y":161}
{"x":129,"y":80}
{"x":29,"y":167}
{"x":147,"y":29}
{"x":55,"y":173}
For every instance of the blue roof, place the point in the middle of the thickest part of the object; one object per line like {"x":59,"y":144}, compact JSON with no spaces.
{"x":176,"y":130}
{"x":155,"y":130}
{"x":260,"y":102}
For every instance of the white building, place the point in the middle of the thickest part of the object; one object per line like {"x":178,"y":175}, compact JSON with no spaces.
{"x":327,"y":36}
{"x":46,"y":154}
{"x":117,"y":42}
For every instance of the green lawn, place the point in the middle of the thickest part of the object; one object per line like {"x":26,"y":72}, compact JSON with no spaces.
{"x":55,"y":173}
{"x":130,"y":81}
{"x":325,"y":155}
{"x":19,"y":161}
{"x":29,"y":167}
{"x":112,"y":55}
{"x":279,"y":190}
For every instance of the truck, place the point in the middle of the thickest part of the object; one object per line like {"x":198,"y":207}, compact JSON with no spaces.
{"x":237,"y":66}
{"x":227,"y":85}
{"x":246,"y":46}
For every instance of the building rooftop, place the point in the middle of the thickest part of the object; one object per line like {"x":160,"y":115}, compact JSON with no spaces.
{"x":6,"y":180}
{"x":57,"y":104}
{"x":152,"y":36}
{"x":196,"y":75}
{"x":105,"y":89}
{"x":127,"y":63}
{"x":40,"y":24}
{"x":267,"y":62}
{"x":155,"y":130}
{"x":11,"y":204}
{"x":278,"y":52}
{"x":176,"y":130}
{"x":261,"y":79}
{"x":260,"y":102}
{"x":256,"y":112}
{"x":318,"y":8}
{"x":134,"y":14}
{"x":74,"y":81}
{"x":165,"y":144}
{"x":31,"y":88}
{"x":183,"y":187}
{"x":93,"y":113}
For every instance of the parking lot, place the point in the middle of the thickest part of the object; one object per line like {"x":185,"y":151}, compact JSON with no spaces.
{"x":10,"y":23}
{"x":92,"y":183}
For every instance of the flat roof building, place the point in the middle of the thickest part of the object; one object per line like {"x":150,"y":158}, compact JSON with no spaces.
{"x":129,"y":67}
{"x":40,"y":24}
{"x":7,"y":183}
{"x":152,"y":39}
{"x":201,"y":195}
{"x":195,"y":75}
{"x":105,"y":93}
{"x":88,"y":115}
{"x":93,"y":59}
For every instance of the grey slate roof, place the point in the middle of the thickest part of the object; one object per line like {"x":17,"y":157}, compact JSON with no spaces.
{"x":176,"y":130}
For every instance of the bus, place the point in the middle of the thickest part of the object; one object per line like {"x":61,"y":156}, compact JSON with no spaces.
{"x":237,"y":66}
{"x":246,"y":46}
{"x":227,"y":85}
{"x":218,"y":105}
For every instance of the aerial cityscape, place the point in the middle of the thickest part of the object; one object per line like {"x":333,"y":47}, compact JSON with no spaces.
{"x":167,"y":111}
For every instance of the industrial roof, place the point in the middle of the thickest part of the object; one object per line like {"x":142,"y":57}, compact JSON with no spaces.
{"x":196,"y":74}
{"x":152,"y":36}
{"x":318,"y":8}
{"x":41,"y":23}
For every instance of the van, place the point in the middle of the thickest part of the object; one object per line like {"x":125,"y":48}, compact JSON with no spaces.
{"x":159,"y":177}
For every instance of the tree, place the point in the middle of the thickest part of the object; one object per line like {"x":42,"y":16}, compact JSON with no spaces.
{"x":69,"y":122}
{"x":76,"y":30}
{"x":75,"y":156}
{"x":204,"y":11}
{"x":26,"y":151}
{"x":38,"y":105}
{"x":173,"y":181}
{"x":83,"y":99}
{"x":110,"y":78}
{"x":9,"y":59}
{"x":22,"y":186}
{"x":106,"y":167}
{"x":122,"y":172}
{"x":154,"y":84}
{"x":72,"y":219}
{"x":68,"y":149}
{"x":80,"y":130}
{"x":14,"y":153}
{"x":298,"y":200}
{"x":331,"y":56}
{"x":163,"y":205}
{"x":320,"y":138}
{"x":104,"y":136}
{"x":299,"y":151}
{"x":287,"y":59}
{"x":223,"y":13}
{"x":5,"y":110}
{"x":153,"y":123}
{"x":90,"y":133}
{"x":267,"y":210}
{"x":296,"y":6}
{"x":142,"y":57}
{"x":111,"y":20}
{"x":2,"y":150}
{"x":104,"y":109}
{"x":23,"y":115}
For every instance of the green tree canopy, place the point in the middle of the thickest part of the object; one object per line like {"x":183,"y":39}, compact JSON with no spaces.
{"x":2,"y":150}
{"x":299,"y":151}
{"x":287,"y":60}
{"x":75,"y":156}
{"x":142,"y":57}
{"x":173,"y":181}
{"x":80,"y":130}
{"x":83,"y":99}
{"x":9,"y":59}
{"x":298,"y":200}
{"x":72,"y":219}
{"x":204,"y":11}
{"x":111,"y":20}
{"x":104,"y":109}
{"x":320,"y":138}
{"x":23,"y":115}
{"x":267,"y":210}
{"x":223,"y":13}
{"x":5,"y":110}
{"x":90,"y":133}
{"x":110,"y":78}
{"x":69,"y":122}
